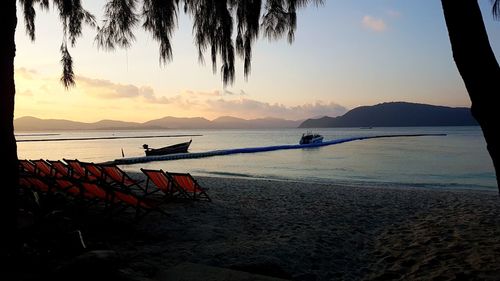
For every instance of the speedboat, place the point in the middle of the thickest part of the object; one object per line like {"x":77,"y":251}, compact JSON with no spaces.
{"x":310,"y":138}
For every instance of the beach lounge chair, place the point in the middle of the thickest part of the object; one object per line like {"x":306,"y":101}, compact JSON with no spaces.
{"x":60,"y":167}
{"x":27,"y":166}
{"x":116,"y":198}
{"x":48,"y":185}
{"x":190,"y":185}
{"x":73,"y":189}
{"x":44,"y":168}
{"x":93,"y":170}
{"x":34,"y":183}
{"x":78,"y":170}
{"x":165,"y":183}
{"x":60,"y":178}
{"x":93,"y":192}
{"x":116,"y":176}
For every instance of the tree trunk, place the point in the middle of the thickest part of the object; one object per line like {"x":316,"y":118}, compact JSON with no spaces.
{"x":8,"y":150}
{"x":478,"y":67}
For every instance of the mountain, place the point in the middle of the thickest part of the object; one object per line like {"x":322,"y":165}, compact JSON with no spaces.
{"x":29,"y":123}
{"x":170,"y":122}
{"x":113,"y":124}
{"x":397,"y":114}
{"x":271,"y":123}
{"x":35,"y":124}
{"x":228,"y":122}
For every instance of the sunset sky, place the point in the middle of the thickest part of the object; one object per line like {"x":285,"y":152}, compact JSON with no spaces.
{"x":345,"y":54}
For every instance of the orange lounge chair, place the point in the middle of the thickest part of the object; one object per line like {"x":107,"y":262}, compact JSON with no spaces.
{"x":27,"y":166}
{"x":60,"y":167}
{"x":34,"y":183}
{"x":190,"y":185}
{"x":78,"y":170}
{"x":115,"y":197}
{"x":117,"y":176}
{"x":44,"y":168}
{"x":94,"y":170}
{"x":165,"y":183}
{"x":60,"y":177}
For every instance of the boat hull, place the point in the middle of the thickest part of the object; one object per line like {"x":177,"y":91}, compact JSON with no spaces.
{"x":176,"y":148}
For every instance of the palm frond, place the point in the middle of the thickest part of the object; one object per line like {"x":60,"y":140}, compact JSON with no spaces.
{"x":214,"y":22}
{"x":44,"y":4}
{"x":280,"y":17}
{"x":72,"y":16}
{"x":68,"y":76}
{"x":29,"y":17}
{"x":120,"y":17}
{"x":160,"y":19}
{"x":213,"y":28}
{"x":495,"y":9}
{"x":247,"y":16}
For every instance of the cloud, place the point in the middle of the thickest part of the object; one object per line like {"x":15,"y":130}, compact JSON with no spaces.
{"x":26,"y":93}
{"x":106,"y":89}
{"x":394,"y":13}
{"x":214,"y":93}
{"x":374,"y":24}
{"x":249,"y":108}
{"x":149,"y":96}
{"x":25,"y":73}
{"x":118,"y":98}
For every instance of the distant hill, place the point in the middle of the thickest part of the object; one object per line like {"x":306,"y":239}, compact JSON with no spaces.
{"x":35,"y":124}
{"x":170,"y":122}
{"x":228,"y":122}
{"x":29,"y":123}
{"x":396,"y":114}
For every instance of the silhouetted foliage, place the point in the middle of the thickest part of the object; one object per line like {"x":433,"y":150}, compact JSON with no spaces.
{"x":213,"y":26}
{"x":496,"y":9}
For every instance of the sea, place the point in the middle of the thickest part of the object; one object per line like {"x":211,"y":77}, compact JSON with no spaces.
{"x":456,"y":160}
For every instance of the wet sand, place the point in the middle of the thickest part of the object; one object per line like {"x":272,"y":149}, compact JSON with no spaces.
{"x":311,"y":231}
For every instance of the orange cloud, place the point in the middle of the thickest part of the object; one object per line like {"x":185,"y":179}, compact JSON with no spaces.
{"x":374,"y":24}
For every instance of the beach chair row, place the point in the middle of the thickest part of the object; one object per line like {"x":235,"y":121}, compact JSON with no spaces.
{"x":43,"y":177}
{"x":107,"y":183}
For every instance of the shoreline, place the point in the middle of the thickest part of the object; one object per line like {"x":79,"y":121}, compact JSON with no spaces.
{"x":311,"y":231}
{"x":373,"y":184}
{"x":344,"y":183}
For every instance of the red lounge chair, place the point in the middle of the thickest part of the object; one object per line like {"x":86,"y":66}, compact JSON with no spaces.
{"x":141,"y":205}
{"x":27,"y":166}
{"x":44,"y":168}
{"x":165,"y":183}
{"x":32,"y":182}
{"x":48,"y":185}
{"x":94,"y":170}
{"x":190,"y":185}
{"x":60,"y":167}
{"x":78,"y":170}
{"x":117,"y":176}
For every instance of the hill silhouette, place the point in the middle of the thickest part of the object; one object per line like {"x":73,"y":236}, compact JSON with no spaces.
{"x":29,"y":123}
{"x":396,"y":114}
{"x":391,"y":114}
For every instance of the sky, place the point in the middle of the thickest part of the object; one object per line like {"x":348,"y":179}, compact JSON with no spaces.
{"x":345,"y":54}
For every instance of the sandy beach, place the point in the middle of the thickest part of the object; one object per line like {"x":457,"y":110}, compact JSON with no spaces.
{"x":311,"y":231}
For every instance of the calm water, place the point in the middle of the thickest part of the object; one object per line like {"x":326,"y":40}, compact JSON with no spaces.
{"x":458,"y":160}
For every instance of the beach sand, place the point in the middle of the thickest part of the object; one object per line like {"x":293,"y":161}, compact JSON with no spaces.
{"x":313,"y":231}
